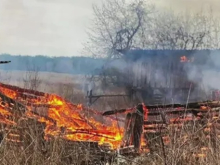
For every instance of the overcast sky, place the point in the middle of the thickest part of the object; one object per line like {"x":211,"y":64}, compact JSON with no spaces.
{"x":57,"y":27}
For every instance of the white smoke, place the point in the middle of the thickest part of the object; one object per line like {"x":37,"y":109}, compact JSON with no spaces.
{"x":211,"y":79}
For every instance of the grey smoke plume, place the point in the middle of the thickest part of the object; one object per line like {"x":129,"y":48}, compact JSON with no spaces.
{"x":211,"y":79}
{"x":210,"y":72}
{"x":205,"y":72}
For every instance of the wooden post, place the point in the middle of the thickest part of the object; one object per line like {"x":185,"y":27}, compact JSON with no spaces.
{"x":127,"y":134}
{"x":89,"y":96}
{"x":138,"y":127}
{"x":134,"y":128}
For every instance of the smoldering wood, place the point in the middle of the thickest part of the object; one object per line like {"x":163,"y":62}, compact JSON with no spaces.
{"x":170,"y":108}
{"x":116,"y":111}
{"x":171,"y":117}
{"x":138,"y":131}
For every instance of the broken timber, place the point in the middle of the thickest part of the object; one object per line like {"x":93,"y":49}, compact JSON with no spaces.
{"x":190,"y":107}
{"x":157,"y":120}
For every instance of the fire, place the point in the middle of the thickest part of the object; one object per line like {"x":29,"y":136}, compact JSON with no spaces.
{"x":185,"y":59}
{"x":78,"y":123}
{"x":63,"y":118}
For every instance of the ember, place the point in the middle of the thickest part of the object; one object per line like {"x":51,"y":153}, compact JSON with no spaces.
{"x":185,"y":59}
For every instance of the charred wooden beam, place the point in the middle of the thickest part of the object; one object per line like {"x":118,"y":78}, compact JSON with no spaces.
{"x":173,"y":108}
{"x":138,"y":127}
{"x":195,"y":105}
{"x":134,"y":128}
{"x":116,"y":111}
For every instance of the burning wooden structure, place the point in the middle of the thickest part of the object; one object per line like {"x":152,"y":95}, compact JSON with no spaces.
{"x":25,"y":114}
{"x":55,"y":117}
{"x":146,"y":125}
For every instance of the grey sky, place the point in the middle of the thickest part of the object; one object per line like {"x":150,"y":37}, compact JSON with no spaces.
{"x":57,"y":27}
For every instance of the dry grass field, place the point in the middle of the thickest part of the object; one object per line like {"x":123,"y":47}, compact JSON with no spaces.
{"x":182,"y":150}
{"x":18,"y":78}
{"x":70,"y":87}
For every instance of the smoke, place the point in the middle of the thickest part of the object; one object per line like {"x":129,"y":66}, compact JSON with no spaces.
{"x":211,"y":79}
{"x":209,"y":70}
{"x":203,"y":73}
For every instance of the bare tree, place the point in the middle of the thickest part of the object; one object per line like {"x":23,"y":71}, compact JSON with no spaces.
{"x":31,"y":79}
{"x":189,"y":31}
{"x":119,"y":24}
{"x":116,"y":25}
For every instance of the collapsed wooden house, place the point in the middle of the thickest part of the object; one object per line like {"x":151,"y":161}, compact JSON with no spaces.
{"x":152,"y":128}
{"x":23,"y":111}
{"x":29,"y":118}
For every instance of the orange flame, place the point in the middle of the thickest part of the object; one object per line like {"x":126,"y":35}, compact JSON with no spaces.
{"x":65,"y":119}
{"x":185,"y":59}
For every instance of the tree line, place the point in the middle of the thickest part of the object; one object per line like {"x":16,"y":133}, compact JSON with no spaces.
{"x":70,"y":65}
